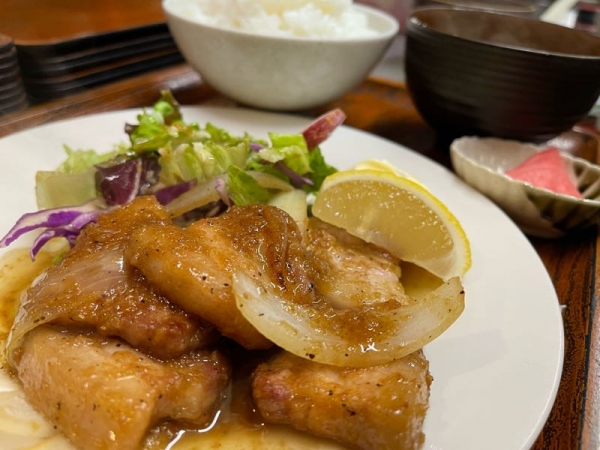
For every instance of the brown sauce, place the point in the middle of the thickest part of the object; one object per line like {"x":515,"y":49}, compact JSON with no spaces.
{"x":17,"y":272}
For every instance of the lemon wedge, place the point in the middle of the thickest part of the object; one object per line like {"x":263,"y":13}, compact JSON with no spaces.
{"x":382,"y":205}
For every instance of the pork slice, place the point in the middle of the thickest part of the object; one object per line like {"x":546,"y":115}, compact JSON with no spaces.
{"x":104,"y":395}
{"x":93,"y":287}
{"x":349,"y":272}
{"x":375,"y":408}
{"x":196,"y":264}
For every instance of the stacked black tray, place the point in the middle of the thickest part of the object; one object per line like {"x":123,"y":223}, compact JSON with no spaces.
{"x":56,"y":69}
{"x":12,"y":91}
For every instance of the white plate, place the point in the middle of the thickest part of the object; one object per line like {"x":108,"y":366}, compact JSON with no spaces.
{"x":496,"y":370}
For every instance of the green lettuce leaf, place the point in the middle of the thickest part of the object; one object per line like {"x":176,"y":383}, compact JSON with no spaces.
{"x":160,"y":125}
{"x":289,"y":148}
{"x":243,"y":189}
{"x":189,"y":152}
{"x":54,"y":189}
{"x":79,"y":161}
{"x":320,"y":169}
{"x":199,"y":161}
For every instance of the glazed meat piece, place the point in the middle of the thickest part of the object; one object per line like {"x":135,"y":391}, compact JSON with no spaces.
{"x":374,"y":408}
{"x":349,"y":272}
{"x":103,"y":395}
{"x":193,"y":267}
{"x":93,"y":287}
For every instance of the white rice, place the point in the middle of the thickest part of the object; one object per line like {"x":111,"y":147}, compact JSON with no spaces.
{"x":301,"y":18}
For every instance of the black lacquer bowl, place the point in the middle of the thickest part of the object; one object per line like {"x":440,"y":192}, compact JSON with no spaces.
{"x":482,"y":73}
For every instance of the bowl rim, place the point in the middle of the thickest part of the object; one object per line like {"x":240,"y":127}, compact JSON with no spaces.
{"x":415,"y":23}
{"x":455,"y":151}
{"x":393,"y":24}
{"x":504,"y":7}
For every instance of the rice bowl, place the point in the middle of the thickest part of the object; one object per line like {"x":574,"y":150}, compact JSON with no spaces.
{"x":276,"y":71}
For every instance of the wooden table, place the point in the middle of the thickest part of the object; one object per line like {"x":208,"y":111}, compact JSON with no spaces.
{"x":385,"y":109}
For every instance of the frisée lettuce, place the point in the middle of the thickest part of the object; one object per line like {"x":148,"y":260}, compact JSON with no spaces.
{"x":196,"y":170}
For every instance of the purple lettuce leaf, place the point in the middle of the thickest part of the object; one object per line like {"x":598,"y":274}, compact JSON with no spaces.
{"x":120,"y":183}
{"x":167,"y":194}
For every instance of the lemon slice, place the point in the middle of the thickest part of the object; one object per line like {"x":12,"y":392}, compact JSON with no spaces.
{"x":379,"y":204}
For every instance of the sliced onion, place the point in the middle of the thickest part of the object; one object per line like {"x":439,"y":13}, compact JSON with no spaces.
{"x":374,"y":334}
{"x":269,"y":181}
{"x":213,"y":190}
{"x":196,"y":197}
{"x":322,"y":127}
{"x":221,"y":188}
{"x":19,"y":418}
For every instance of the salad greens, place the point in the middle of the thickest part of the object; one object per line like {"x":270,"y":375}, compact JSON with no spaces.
{"x":205,"y":168}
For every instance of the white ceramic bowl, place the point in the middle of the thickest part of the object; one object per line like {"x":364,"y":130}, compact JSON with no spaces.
{"x":481,"y":163}
{"x":276,"y":72}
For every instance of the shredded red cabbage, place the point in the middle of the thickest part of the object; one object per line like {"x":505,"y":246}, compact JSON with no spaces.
{"x":56,"y":222}
{"x":48,"y":234}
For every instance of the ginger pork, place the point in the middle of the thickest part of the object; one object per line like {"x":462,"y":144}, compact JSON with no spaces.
{"x":378,"y":407}
{"x":102,"y":394}
{"x":92,"y":287}
{"x":119,"y":337}
{"x":193,"y":267}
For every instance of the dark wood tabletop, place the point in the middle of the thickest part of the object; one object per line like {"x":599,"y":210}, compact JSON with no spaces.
{"x":35,"y":22}
{"x":385,"y":109}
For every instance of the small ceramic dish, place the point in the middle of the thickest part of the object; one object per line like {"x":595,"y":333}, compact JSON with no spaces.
{"x":481,"y":163}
